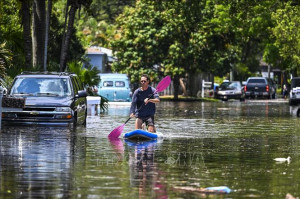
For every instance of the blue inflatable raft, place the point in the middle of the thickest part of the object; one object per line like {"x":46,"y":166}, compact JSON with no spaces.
{"x":141,"y":135}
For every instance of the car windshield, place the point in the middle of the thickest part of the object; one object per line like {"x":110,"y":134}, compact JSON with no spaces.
{"x":230,"y":86}
{"x":41,"y":87}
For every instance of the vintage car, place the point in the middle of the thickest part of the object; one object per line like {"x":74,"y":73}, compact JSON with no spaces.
{"x":45,"y":98}
{"x":115,"y":87}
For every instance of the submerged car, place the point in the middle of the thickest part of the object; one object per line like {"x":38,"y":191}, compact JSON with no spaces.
{"x":295,"y":91}
{"x":231,"y":90}
{"x":45,"y":98}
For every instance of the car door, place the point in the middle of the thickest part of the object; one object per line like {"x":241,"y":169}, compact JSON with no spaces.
{"x":79,"y":102}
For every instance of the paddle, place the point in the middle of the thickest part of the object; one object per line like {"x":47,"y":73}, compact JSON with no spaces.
{"x":162,"y":85}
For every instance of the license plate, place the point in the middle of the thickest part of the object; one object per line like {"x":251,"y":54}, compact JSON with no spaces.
{"x":256,"y":88}
{"x":255,"y":93}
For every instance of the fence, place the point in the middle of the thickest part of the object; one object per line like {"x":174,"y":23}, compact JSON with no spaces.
{"x":167,"y":91}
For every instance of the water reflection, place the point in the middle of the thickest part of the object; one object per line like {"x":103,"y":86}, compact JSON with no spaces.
{"x":295,"y":111}
{"x":144,"y":172}
{"x":205,"y":144}
{"x":35,"y":157}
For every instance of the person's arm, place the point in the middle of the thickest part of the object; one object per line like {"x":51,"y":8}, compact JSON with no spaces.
{"x":155,"y":98}
{"x":133,"y":104}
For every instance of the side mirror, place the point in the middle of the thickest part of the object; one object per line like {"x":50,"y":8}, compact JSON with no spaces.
{"x":81,"y":93}
{"x":3,"y":90}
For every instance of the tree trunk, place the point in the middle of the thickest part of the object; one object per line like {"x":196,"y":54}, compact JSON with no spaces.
{"x":47,"y":33}
{"x":176,"y":86}
{"x":27,"y":33}
{"x":66,"y":41}
{"x":183,"y":87}
{"x":38,"y":38}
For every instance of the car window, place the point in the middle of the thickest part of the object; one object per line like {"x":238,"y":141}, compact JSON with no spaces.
{"x":224,"y":85}
{"x":271,"y":82}
{"x":258,"y":81}
{"x":120,"y":84}
{"x":235,"y":85}
{"x":75,"y":86}
{"x":295,"y":83}
{"x":230,"y":85}
{"x":41,"y":86}
{"x":108,"y":83}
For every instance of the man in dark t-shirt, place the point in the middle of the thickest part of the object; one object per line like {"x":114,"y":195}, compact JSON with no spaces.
{"x":142,"y":106}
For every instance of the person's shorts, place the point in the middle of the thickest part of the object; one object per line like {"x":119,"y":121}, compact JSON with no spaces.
{"x":148,"y":120}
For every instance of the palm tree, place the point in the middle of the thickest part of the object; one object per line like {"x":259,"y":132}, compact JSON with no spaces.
{"x":38,"y":35}
{"x":90,"y":78}
{"x":25,"y":10}
{"x":69,"y":26}
{"x":5,"y":59}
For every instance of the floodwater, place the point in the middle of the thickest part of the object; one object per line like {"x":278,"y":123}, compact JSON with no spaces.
{"x":205,"y":144}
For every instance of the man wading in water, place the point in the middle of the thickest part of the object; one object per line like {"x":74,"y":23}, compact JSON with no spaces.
{"x":141,"y":98}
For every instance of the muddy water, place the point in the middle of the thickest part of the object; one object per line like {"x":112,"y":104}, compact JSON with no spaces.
{"x":205,"y":144}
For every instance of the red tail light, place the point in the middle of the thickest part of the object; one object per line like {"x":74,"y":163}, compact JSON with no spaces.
{"x":245,"y":88}
{"x":267,"y":88}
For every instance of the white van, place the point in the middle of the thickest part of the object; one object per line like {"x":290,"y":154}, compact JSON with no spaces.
{"x":115,"y":87}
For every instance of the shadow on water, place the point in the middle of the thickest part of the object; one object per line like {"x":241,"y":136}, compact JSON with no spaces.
{"x":205,"y":144}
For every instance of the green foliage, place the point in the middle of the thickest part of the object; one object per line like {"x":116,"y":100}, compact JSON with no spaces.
{"x":154,"y":38}
{"x":5,"y":59}
{"x":178,"y":37}
{"x":11,"y":34}
{"x":90,"y":78}
{"x":96,"y":24}
{"x":88,"y":74}
{"x":169,"y":36}
{"x":287,"y":36}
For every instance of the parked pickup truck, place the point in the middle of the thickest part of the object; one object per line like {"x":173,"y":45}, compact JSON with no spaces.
{"x":260,"y":87}
{"x":295,"y":91}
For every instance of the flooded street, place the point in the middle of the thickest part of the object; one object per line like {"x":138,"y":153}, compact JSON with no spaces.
{"x":205,"y":144}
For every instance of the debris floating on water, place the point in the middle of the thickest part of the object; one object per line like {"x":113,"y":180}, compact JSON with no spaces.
{"x":208,"y":190}
{"x":288,"y":159}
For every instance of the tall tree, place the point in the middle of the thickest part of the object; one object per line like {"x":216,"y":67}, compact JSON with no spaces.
{"x":287,"y":37}
{"x":26,"y":22}
{"x":38,"y":33}
{"x":71,"y":8}
{"x":49,"y":9}
{"x":170,"y":37}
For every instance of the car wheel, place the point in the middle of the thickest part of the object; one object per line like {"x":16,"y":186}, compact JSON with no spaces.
{"x":74,"y":123}
{"x":242,"y":99}
{"x":298,"y":112}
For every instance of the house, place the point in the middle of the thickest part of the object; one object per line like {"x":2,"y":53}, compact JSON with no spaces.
{"x":100,"y":57}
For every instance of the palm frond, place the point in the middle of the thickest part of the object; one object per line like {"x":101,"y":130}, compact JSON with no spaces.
{"x":5,"y":59}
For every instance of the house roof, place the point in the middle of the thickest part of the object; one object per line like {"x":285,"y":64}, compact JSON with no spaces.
{"x":96,"y":50}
